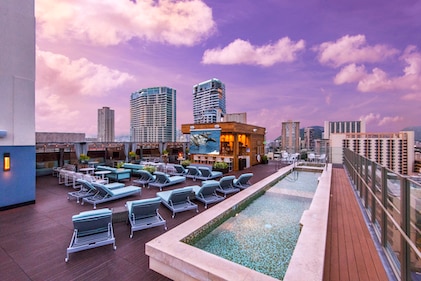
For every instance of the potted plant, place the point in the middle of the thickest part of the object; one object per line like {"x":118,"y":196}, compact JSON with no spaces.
{"x":83,"y":158}
{"x":119,"y":165}
{"x":221,"y":166}
{"x":150,"y":169}
{"x":132,"y":154}
{"x":185,"y":163}
{"x":165,"y":156}
{"x":264,"y":159}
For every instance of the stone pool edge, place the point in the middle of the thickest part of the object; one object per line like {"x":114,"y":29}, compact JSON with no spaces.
{"x":307,"y":261}
{"x":171,"y":257}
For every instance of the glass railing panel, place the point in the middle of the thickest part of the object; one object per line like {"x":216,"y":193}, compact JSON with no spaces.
{"x":415,"y":263}
{"x":393,"y":244}
{"x":415,"y":225}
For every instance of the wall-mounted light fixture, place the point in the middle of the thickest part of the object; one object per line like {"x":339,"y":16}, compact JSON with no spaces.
{"x":255,"y":130}
{"x":6,"y":162}
{"x":217,"y":126}
{"x":191,"y":127}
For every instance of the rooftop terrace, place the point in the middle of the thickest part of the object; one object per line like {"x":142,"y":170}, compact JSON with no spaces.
{"x":34,"y":238}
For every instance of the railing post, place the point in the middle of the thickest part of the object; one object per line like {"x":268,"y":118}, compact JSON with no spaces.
{"x":383,"y":223}
{"x":365,"y":161}
{"x":373,"y":189}
{"x":405,"y":219}
{"x":359,"y":179}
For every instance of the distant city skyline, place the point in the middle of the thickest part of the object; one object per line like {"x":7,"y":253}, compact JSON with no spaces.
{"x":308,"y":61}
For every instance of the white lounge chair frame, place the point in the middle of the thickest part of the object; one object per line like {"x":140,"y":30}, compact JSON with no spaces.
{"x":207,"y":193}
{"x":226,"y":185}
{"x":144,"y":178}
{"x":208,"y":174}
{"x":243,"y":181}
{"x":144,"y":214}
{"x":91,"y":229}
{"x":178,"y":200}
{"x":163,"y":180}
{"x":105,"y":194}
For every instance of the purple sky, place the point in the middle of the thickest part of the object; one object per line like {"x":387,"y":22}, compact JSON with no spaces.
{"x":307,"y":61}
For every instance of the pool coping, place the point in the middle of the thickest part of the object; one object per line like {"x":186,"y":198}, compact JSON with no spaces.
{"x":171,"y":257}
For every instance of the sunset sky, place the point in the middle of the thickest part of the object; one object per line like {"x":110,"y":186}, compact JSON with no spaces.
{"x":307,"y":61}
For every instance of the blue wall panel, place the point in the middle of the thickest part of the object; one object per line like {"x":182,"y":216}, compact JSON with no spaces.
{"x":17,"y":186}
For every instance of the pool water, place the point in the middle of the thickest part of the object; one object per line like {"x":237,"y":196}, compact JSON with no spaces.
{"x":263,"y":236}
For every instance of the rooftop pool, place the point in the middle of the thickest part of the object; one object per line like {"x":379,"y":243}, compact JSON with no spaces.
{"x":294,"y":217}
{"x":263,"y":235}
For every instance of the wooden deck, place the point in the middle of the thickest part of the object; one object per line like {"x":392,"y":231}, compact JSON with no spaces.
{"x":34,"y":238}
{"x":350,"y":251}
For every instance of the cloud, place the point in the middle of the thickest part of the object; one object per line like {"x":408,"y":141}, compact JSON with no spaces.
{"x":242,"y":52}
{"x":113,"y":22}
{"x":81,"y":76}
{"x":352,"y":49}
{"x":387,"y":120}
{"x":380,"y":121}
{"x":350,"y":73}
{"x":62,"y":82}
{"x":379,"y":81}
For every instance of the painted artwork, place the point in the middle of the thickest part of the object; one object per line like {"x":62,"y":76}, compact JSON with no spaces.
{"x":205,"y":141}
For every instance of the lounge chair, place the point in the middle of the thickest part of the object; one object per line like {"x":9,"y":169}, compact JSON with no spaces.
{"x":208,"y":174}
{"x":207,"y":193}
{"x":105,"y":194}
{"x":193,"y":172}
{"x":178,"y":200}
{"x":243,"y":181}
{"x":163,"y":180}
{"x":226,"y":185}
{"x":91,"y":229}
{"x":144,"y":178}
{"x":92,"y":178}
{"x":179,"y":170}
{"x":144,"y":214}
{"x":87,"y":189}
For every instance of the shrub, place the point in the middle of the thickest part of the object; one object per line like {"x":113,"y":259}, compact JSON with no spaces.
{"x":150,"y":169}
{"x":264,"y":159}
{"x":185,"y":163}
{"x":84,"y":157}
{"x":220,"y":165}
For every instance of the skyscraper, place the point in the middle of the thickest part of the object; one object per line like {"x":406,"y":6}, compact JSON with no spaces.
{"x":106,"y":125}
{"x":209,"y":101}
{"x":153,"y":115}
{"x":309,"y":138}
{"x":291,"y":136}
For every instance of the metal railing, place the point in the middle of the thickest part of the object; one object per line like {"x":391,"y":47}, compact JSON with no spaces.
{"x":392,"y":203}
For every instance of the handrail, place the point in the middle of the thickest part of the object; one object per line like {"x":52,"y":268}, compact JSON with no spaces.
{"x":397,"y":216}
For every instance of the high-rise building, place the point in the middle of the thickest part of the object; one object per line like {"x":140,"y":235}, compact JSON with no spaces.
{"x":153,"y":115}
{"x":336,"y":130}
{"x":209,"y":102}
{"x":339,"y":127}
{"x":106,"y":132}
{"x":290,"y":136}
{"x":309,"y":138}
{"x":391,"y":150}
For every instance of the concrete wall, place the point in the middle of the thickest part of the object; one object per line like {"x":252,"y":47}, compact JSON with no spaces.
{"x":17,"y":108}
{"x":60,"y":137}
